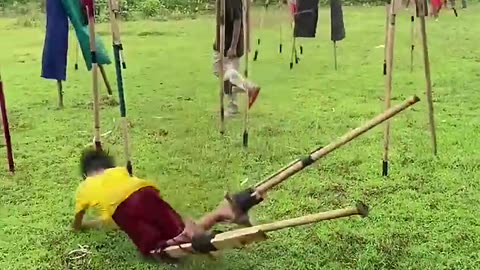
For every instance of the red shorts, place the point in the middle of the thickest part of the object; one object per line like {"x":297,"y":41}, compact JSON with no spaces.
{"x":148,"y":220}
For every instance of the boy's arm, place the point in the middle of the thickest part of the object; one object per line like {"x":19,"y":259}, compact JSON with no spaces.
{"x":80,"y":224}
{"x":77,"y":222}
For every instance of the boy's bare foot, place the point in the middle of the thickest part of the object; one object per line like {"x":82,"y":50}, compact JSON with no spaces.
{"x":191,"y":228}
{"x":226,"y":213}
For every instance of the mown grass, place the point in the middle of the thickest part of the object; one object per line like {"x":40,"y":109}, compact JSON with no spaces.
{"x":423,"y":216}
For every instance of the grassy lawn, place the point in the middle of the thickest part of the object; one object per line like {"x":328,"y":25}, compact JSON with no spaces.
{"x":423,"y":216}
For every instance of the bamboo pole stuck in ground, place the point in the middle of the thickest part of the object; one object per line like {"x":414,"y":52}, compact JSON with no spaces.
{"x":335,"y":54}
{"x":241,"y":237}
{"x":89,"y":6}
{"x":388,"y":83}
{"x":421,"y":13}
{"x":221,"y":48}
{"x":293,"y":55}
{"x":280,"y":43}
{"x":412,"y":37}
{"x":6,"y":128}
{"x":119,"y":64}
{"x":300,"y":164}
{"x":387,"y":19}
{"x":246,"y":46}
{"x":262,"y":19}
{"x":76,"y":55}
{"x":60,"y":94}
{"x":105,"y":80}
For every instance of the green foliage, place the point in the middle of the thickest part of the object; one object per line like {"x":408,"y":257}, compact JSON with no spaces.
{"x":152,"y":8}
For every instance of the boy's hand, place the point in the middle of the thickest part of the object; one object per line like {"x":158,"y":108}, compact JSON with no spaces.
{"x":92,"y":224}
{"x":232,"y":52}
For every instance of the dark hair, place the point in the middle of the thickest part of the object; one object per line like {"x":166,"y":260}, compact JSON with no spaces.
{"x":93,"y":160}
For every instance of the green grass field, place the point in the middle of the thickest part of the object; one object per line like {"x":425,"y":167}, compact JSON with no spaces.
{"x":423,"y":216}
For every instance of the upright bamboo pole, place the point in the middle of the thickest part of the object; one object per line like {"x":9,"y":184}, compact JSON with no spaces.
{"x":422,"y":10}
{"x":388,"y":83}
{"x":246,"y":46}
{"x":221,"y":48}
{"x":90,"y":9}
{"x":119,"y":58}
{"x":6,"y":128}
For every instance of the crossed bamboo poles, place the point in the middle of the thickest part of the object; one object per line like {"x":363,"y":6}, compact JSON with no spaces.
{"x":119,"y":64}
{"x":421,"y":12}
{"x":243,"y":201}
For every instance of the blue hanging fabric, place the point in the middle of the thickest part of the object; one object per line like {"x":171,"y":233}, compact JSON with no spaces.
{"x":55,"y":48}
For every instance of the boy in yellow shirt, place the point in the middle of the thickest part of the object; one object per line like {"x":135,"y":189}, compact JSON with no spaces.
{"x":136,"y":206}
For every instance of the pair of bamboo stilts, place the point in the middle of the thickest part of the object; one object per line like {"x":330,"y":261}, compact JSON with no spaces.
{"x":119,"y":64}
{"x":239,"y":238}
{"x":222,"y":77}
{"x":388,"y":72}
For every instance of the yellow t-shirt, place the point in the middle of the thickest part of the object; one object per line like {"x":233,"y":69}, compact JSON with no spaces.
{"x":107,"y":190}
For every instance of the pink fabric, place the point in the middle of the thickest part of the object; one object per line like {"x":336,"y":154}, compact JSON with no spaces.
{"x":436,"y":5}
{"x":293,"y":8}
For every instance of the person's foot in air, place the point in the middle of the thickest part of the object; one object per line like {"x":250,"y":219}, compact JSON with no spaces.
{"x":253,"y":94}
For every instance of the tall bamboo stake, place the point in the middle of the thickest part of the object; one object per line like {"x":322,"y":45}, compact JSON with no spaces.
{"x":423,"y":32}
{"x":221,"y":47}
{"x":280,"y":44}
{"x":60,"y":93}
{"x":6,"y":128}
{"x":412,"y":37}
{"x":118,"y":55}
{"x":246,"y":46}
{"x":105,"y":80}
{"x":335,"y":54}
{"x":387,"y":19}
{"x":76,"y":55}
{"x":262,"y":19}
{"x":388,"y":83}
{"x":89,"y":6}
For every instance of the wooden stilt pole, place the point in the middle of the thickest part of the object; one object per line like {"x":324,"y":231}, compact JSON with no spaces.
{"x":412,"y":37}
{"x":221,"y":48}
{"x":246,"y":46}
{"x":89,"y":6}
{"x":105,"y":80}
{"x":387,"y":19}
{"x":241,"y":237}
{"x":388,"y":83}
{"x":335,"y":54}
{"x":60,"y":94}
{"x":6,"y":128}
{"x":421,"y":5}
{"x":119,"y":64}
{"x":76,"y":55}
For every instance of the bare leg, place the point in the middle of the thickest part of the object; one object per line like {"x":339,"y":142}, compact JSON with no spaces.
{"x":223,"y":213}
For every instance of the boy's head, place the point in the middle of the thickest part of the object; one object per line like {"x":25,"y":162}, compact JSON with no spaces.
{"x":95,"y":161}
